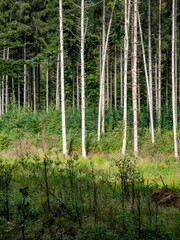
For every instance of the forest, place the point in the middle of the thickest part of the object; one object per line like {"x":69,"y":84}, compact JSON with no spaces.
{"x":90,"y":119}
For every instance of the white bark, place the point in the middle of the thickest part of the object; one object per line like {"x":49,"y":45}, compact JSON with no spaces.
{"x":47,"y":88}
{"x":77,"y":85}
{"x":159,"y":70}
{"x":25,"y":75}
{"x":156,"y":86}
{"x":103,"y":77}
{"x":134,"y":86}
{"x":150,"y":54}
{"x":126,"y":47}
{"x":34,"y":87}
{"x":57,"y":82}
{"x":103,"y":70}
{"x":19,"y":94}
{"x":139,"y":92}
{"x":107,"y":79}
{"x":147,"y":82}
{"x":115,"y":81}
{"x":121,"y":69}
{"x":173,"y":81}
{"x":83,"y":82}
{"x":7,"y":78}
{"x":62,"y":79}
{"x":4,"y":56}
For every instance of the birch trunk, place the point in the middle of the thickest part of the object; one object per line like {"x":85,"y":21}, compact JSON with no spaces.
{"x":47,"y":89}
{"x":77,"y":85}
{"x":83,"y":82}
{"x":25,"y":72}
{"x":73,"y":87}
{"x":4,"y":56}
{"x":156,"y":86}
{"x":57,"y":82}
{"x":19,"y":93}
{"x":103,"y":77}
{"x":62,"y":79}
{"x":7,"y":79}
{"x":159,"y":70}
{"x":103,"y":70}
{"x":13,"y":91}
{"x":107,"y":79}
{"x":173,"y":81}
{"x":147,"y":82}
{"x":150,"y":54}
{"x":34,"y":87}
{"x":135,"y":81}
{"x":126,"y":46}
{"x":0,"y":101}
{"x":121,"y":67}
{"x":139,"y":92}
{"x":115,"y":81}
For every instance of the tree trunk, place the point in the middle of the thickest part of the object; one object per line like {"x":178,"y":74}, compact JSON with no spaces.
{"x":83,"y":82}
{"x":73,"y":90}
{"x":34,"y":87}
{"x":47,"y":88}
{"x":139,"y":92}
{"x":126,"y":46}
{"x":134,"y":86}
{"x":103,"y":70}
{"x":25,"y":72}
{"x":107,"y":79}
{"x":156,"y":86}
{"x":77,"y":84}
{"x":4,"y":56}
{"x":121,"y":67}
{"x":173,"y":81}
{"x":7,"y":78}
{"x":103,"y":77}
{"x":115,"y":81}
{"x":147,"y":82}
{"x":159,"y":71}
{"x":150,"y":56}
{"x":57,"y":82}
{"x":62,"y":79}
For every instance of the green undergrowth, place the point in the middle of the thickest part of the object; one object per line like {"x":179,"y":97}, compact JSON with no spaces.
{"x":97,"y":198}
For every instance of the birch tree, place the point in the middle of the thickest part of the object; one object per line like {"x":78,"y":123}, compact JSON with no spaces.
{"x":7,"y":79}
{"x":150,"y":55}
{"x":25,"y":72}
{"x":34,"y":87}
{"x":134,"y":85}
{"x":62,"y":79}
{"x":103,"y":77}
{"x":149,"y":101}
{"x":159,"y":66}
{"x":126,"y":47}
{"x":57,"y":82}
{"x":103,"y":71}
{"x":173,"y":81}
{"x":83,"y":82}
{"x":47,"y":88}
{"x":77,"y":84}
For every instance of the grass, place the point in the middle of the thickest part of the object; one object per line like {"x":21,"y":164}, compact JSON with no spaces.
{"x":45,"y":196}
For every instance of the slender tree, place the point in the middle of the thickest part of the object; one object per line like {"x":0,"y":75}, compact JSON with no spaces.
{"x":173,"y":81}
{"x":134,"y":84}
{"x":159,"y":70}
{"x":25,"y":72}
{"x":57,"y":82}
{"x":149,"y":102}
{"x":83,"y":82}
{"x":126,"y":47}
{"x":62,"y":79}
